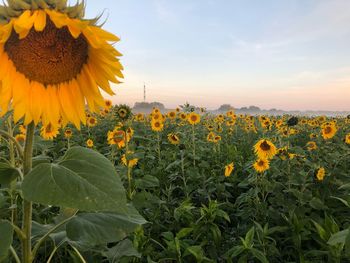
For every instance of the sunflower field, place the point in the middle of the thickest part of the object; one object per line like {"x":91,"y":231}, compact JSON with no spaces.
{"x":193,"y":187}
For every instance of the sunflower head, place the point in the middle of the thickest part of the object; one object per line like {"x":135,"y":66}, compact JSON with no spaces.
{"x":193,"y":118}
{"x":157,"y":125}
{"x":123,"y":112}
{"x":68,"y":133}
{"x":320,"y":174}
{"x":229,"y":169}
{"x":90,"y":143}
{"x":261,"y":165}
{"x":347,"y":138}
{"x":53,"y":61}
{"x":329,"y":130}
{"x":265,"y":149}
{"x":173,"y":138}
{"x":49,"y":132}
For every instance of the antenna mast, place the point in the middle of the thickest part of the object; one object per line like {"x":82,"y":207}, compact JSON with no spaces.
{"x":144,"y":92}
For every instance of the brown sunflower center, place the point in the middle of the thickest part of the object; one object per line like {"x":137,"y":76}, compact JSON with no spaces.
{"x":51,"y":57}
{"x":328,"y":130}
{"x":265,"y":146}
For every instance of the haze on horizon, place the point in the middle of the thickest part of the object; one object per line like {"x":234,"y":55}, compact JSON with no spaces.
{"x":290,"y":55}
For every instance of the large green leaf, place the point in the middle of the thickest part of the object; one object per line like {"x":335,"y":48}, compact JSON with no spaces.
{"x":7,"y":173}
{"x":6,"y":235}
{"x":83,"y":179}
{"x":124,"y":248}
{"x":91,"y":229}
{"x":339,"y":238}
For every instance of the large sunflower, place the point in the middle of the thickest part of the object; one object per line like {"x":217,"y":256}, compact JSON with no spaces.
{"x":53,"y":62}
{"x":265,"y":149}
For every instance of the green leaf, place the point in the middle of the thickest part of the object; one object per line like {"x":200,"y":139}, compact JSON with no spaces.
{"x":317,"y":204}
{"x":197,"y":252}
{"x":92,"y":229}
{"x":346,"y":203}
{"x":7,"y":173}
{"x":6,"y":232}
{"x":249,"y":237}
{"x":124,"y":248}
{"x":259,"y":255}
{"x":84,"y":180}
{"x":147,"y":182}
{"x":338,"y":238}
{"x":184,"y":232}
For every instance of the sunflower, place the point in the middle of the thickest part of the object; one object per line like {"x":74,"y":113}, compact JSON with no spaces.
{"x":210,"y":137}
{"x":347,"y":138}
{"x":91,"y":122}
{"x":217,"y":139}
{"x":173,"y":138}
{"x":265,"y":149}
{"x":49,"y":132}
{"x":320,"y":174}
{"x":20,"y":138}
{"x":311,"y":146}
{"x":53,"y":61}
{"x":172,"y":115}
{"x":22,"y":129}
{"x":90,"y":143}
{"x":261,"y":165}
{"x":68,"y":133}
{"x":329,"y":130}
{"x":117,"y":137}
{"x":193,"y":118}
{"x":183,"y":116}
{"x":108,"y":104}
{"x":229,"y":169}
{"x":127,"y":161}
{"x":157,"y":125}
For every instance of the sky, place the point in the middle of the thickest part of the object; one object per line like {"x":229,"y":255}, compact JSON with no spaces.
{"x":290,"y":55}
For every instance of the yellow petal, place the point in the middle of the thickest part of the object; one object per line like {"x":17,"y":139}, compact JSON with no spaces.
{"x":40,"y":21}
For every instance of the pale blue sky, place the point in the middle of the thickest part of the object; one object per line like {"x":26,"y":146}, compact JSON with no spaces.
{"x":289,"y":54}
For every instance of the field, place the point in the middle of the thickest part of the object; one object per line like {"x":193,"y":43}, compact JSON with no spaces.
{"x":207,"y":188}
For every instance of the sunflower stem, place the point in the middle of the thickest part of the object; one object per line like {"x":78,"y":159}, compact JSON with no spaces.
{"x":159,"y":152}
{"x":27,"y":205}
{"x":194,"y":146}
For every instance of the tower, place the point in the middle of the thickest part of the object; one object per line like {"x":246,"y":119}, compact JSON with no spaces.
{"x":144,"y":92}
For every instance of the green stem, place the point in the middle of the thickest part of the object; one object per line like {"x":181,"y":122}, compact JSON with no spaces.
{"x":159,"y":153}
{"x":27,"y":206}
{"x":183,"y":172}
{"x":41,"y":240}
{"x":14,"y":254}
{"x":129,"y":182}
{"x":11,"y":138}
{"x":194,"y":146}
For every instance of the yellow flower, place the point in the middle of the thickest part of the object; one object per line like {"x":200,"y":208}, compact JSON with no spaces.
{"x":210,"y":137}
{"x":53,"y":61}
{"x":49,"y":132}
{"x":229,"y":169}
{"x":265,"y":149}
{"x":193,"y":118}
{"x":157,"y":125}
{"x":20,"y":138}
{"x":91,"y":122}
{"x":321,"y":173}
{"x":329,"y":130}
{"x":173,"y":138}
{"x":311,"y":146}
{"x":68,"y":133}
{"x":347,"y":138}
{"x":108,"y":104}
{"x":117,"y":137}
{"x":183,"y":116}
{"x":171,"y":115}
{"x":217,"y":138}
{"x":90,"y":143}
{"x":261,"y":165}
{"x":129,"y":162}
{"x":22,"y":129}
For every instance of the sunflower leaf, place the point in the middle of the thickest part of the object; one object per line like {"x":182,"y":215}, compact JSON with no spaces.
{"x":83,"y":179}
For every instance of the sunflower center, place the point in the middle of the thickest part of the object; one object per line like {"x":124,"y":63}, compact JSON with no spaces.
{"x":328,"y":130}
{"x":265,"y":146}
{"x":49,"y":57}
